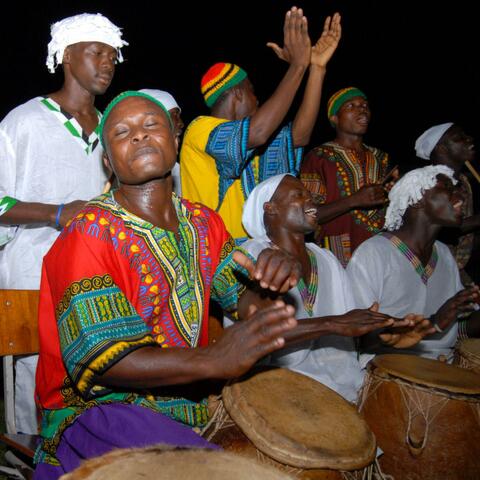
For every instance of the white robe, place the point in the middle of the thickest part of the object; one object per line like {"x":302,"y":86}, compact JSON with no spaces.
{"x":379,"y":272}
{"x":40,"y":161}
{"x":332,"y":359}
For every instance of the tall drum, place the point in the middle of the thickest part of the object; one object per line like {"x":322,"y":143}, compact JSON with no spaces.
{"x":425,"y":415}
{"x":295,"y":423}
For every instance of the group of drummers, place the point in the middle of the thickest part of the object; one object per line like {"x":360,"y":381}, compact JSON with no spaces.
{"x":342,"y":310}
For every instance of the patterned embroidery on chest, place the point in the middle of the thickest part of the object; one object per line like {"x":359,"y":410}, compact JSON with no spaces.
{"x":424,"y":272}
{"x":174,"y":274}
{"x":352,"y":174}
{"x":88,"y":142}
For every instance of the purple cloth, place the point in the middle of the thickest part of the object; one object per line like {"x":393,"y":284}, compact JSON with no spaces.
{"x":106,"y":427}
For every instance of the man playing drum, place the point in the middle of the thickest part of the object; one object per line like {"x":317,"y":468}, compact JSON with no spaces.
{"x":406,"y":269}
{"x":279,"y":213}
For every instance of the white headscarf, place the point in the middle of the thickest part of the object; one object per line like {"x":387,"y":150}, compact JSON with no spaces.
{"x":163,"y":97}
{"x":252,"y":217}
{"x":410,"y":189}
{"x":86,"y":27}
{"x":428,"y":140}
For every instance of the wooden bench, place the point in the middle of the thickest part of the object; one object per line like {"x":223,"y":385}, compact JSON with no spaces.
{"x":18,"y":336}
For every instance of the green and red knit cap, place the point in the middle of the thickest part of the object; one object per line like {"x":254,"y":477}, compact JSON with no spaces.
{"x":340,"y":97}
{"x":220,"y":78}
{"x":123,"y":96}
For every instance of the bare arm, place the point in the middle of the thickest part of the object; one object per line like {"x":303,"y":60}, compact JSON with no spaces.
{"x":296,"y":52}
{"x":25,"y":213}
{"x":234,"y":353}
{"x":368,"y":196}
{"x":322,"y":52}
{"x":470,"y":224}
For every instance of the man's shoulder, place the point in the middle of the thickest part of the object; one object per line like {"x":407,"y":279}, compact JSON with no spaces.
{"x":203,"y":123}
{"x":23,"y":115}
{"x":377,"y":245}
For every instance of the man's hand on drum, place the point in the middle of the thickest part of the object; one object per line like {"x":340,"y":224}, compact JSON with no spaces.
{"x":408,"y":336}
{"x":274,"y":270}
{"x":356,"y":323}
{"x":246,"y":342}
{"x":463,"y":301}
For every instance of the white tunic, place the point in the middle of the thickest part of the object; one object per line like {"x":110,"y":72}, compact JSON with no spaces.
{"x":40,"y":161}
{"x":380,"y":272}
{"x":332,"y":359}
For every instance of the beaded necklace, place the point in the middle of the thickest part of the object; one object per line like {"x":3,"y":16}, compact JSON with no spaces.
{"x":424,"y":272}
{"x":309,"y":292}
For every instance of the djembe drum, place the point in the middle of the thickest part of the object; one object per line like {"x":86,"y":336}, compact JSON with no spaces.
{"x":293,"y":422}
{"x":163,"y":463}
{"x":467,"y":354}
{"x":425,"y":415}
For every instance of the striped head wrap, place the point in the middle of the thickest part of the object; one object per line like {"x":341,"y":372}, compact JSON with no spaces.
{"x":340,"y":97}
{"x":123,"y":96}
{"x":220,"y":78}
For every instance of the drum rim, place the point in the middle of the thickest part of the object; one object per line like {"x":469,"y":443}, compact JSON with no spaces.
{"x":286,"y":451}
{"x":377,"y":365}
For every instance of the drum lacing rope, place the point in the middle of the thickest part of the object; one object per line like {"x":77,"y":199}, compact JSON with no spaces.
{"x":372,"y":472}
{"x":219,"y":419}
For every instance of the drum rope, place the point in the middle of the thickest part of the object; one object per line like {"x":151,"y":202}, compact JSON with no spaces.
{"x":219,"y":419}
{"x":419,"y":404}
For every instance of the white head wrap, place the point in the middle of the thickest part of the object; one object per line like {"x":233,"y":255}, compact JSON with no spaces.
{"x":428,"y":140}
{"x":410,"y":189}
{"x":86,"y":27}
{"x":163,"y":97}
{"x":252,"y":217}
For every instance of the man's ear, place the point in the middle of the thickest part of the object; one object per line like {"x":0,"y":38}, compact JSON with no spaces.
{"x":107,"y":163}
{"x":66,"y":55}
{"x":334,"y":120}
{"x":270,"y":208}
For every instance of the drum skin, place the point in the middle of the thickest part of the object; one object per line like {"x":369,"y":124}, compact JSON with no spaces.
{"x":425,"y":415}
{"x":288,"y":419}
{"x":164,"y":463}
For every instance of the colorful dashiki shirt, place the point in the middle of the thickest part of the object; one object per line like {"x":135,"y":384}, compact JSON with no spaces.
{"x":113,"y":283}
{"x":332,"y":172}
{"x":218,"y":170}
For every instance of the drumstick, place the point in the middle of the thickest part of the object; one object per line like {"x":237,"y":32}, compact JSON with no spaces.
{"x":473,"y":171}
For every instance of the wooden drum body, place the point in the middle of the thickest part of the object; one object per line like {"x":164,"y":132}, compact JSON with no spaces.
{"x":467,"y":354}
{"x":425,"y":415}
{"x":295,"y":423}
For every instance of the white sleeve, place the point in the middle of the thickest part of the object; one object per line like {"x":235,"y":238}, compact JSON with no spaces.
{"x":7,"y":180}
{"x":365,"y":273}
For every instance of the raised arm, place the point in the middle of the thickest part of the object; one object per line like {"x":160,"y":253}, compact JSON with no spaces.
{"x":322,"y":52}
{"x":296,"y":51}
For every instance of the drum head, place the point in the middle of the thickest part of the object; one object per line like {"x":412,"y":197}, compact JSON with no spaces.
{"x":165,"y":463}
{"x":298,"y":421}
{"x":427,"y":372}
{"x":470,"y":346}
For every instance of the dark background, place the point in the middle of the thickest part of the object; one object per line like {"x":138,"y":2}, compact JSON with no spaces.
{"x":416,"y":61}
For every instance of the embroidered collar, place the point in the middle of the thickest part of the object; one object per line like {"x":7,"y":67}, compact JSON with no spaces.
{"x":424,"y":272}
{"x":88,"y":143}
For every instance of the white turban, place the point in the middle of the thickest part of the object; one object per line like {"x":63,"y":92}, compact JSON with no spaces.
{"x":428,"y":140}
{"x":410,"y":189}
{"x":86,"y":27}
{"x":252,"y":217}
{"x":163,"y":97}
